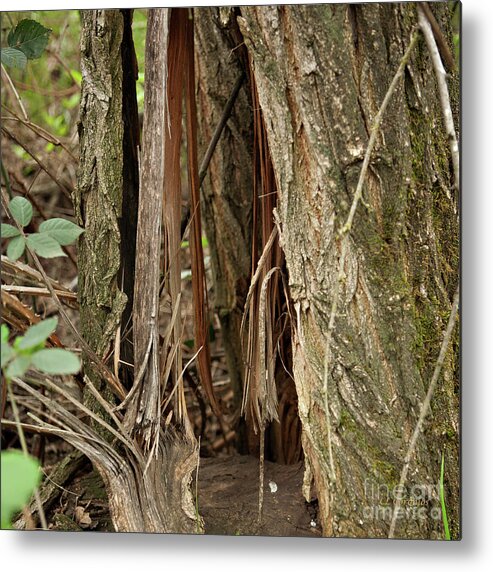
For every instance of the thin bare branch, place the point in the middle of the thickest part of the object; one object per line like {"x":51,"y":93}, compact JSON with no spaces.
{"x":346,"y":228}
{"x":35,"y":291}
{"x":228,"y":108}
{"x":66,"y":188}
{"x":425,"y":406}
{"x":112,"y":381}
{"x":443,"y":90}
{"x":16,"y":95}
{"x":43,"y":133}
{"x":439,"y":37}
{"x":26,"y":272}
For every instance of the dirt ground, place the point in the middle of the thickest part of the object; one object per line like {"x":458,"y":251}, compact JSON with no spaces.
{"x":227,"y":499}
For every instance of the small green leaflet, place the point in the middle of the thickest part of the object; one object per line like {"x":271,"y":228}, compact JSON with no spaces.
{"x":22,"y":210}
{"x":44,"y":245}
{"x":18,"y":366}
{"x":20,"y":475}
{"x":13,"y":58}
{"x":56,"y":361}
{"x":15,"y":248}
{"x":37,"y":334}
{"x":7,"y":353}
{"x":9,"y":231}
{"x":63,"y":231}
{"x":4,"y":329}
{"x":30,"y":37}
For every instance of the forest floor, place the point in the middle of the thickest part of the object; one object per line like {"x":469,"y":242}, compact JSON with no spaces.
{"x":228,"y":491}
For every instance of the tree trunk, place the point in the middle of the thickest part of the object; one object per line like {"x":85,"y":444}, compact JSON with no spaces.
{"x":322,"y":73}
{"x":227,"y":189}
{"x":98,"y":198}
{"x":148,"y":491}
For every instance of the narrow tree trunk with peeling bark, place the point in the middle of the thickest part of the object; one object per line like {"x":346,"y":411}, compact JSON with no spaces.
{"x":98,"y":198}
{"x":147,"y":491}
{"x":322,"y":73}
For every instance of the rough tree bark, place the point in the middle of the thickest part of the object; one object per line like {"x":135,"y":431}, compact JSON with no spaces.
{"x":146,"y":492}
{"x":322,"y":73}
{"x":99,"y":194}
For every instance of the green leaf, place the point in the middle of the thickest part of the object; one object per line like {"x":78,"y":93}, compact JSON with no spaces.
{"x":63,"y":231}
{"x":56,"y":361}
{"x":20,"y":476}
{"x":4,"y":330}
{"x":38,"y":333}
{"x":18,"y":366}
{"x":29,"y":37}
{"x":22,"y":210}
{"x":13,"y":58}
{"x":77,"y":76}
{"x":16,"y":247}
{"x":8,"y":231}
{"x":44,"y":245}
{"x":7,"y":353}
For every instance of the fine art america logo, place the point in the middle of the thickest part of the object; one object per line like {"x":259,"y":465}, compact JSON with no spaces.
{"x":417,"y":502}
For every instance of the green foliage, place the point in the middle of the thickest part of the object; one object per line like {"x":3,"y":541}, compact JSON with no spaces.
{"x":9,"y":231}
{"x":52,"y":233}
{"x":58,"y":124}
{"x":29,"y":351}
{"x":30,"y":37}
{"x":186,"y":243}
{"x":37,"y":334}
{"x":22,"y":210}
{"x":56,"y":361}
{"x":139,"y":88}
{"x":16,"y":247}
{"x":44,"y":245}
{"x":442,"y":501}
{"x":17,"y":366}
{"x":26,"y":41}
{"x":49,"y":89}
{"x":7,"y":352}
{"x":46,"y":84}
{"x":20,"y":472}
{"x":13,"y":58}
{"x":77,"y":76}
{"x":63,"y":231}
{"x":20,"y":476}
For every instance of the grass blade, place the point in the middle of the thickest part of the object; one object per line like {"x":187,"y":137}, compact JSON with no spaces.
{"x":442,"y":501}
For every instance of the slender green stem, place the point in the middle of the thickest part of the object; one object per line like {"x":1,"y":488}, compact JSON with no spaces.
{"x":442,"y":501}
{"x":15,"y":411}
{"x":22,"y":439}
